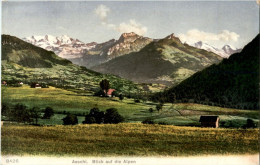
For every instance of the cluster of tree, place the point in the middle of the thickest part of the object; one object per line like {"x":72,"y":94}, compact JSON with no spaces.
{"x":232,"y":83}
{"x":238,"y":124}
{"x":21,"y":113}
{"x":105,"y":85}
{"x":110,"y":116}
{"x":70,"y":119}
{"x":151,"y":121}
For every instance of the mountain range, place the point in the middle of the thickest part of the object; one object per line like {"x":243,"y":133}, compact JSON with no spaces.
{"x":224,"y":52}
{"x":22,"y":61}
{"x":92,"y":54}
{"x":167,"y":61}
{"x":63,"y":46}
{"x":134,"y":57}
{"x":232,"y":83}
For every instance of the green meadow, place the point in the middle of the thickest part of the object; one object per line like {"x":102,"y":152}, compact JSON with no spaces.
{"x":64,"y":101}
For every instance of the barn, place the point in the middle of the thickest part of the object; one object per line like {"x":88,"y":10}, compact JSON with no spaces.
{"x":209,"y":121}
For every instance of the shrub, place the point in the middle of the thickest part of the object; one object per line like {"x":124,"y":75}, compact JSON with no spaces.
{"x":112,"y":116}
{"x":162,"y":123}
{"x":89,"y":120}
{"x":70,"y":119}
{"x":33,"y":84}
{"x":148,"y":121}
{"x":43,"y":85}
{"x":100,"y":93}
{"x":121,"y":97}
{"x":48,"y":113}
{"x":151,"y":110}
{"x":137,"y":101}
{"x":115,"y":94}
{"x":249,"y":124}
{"x":159,"y":107}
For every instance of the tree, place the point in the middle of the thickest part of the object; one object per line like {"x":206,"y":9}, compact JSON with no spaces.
{"x":70,"y":119}
{"x":97,"y":114}
{"x":249,"y":124}
{"x":104,"y":85}
{"x":151,"y":110}
{"x":35,"y":113}
{"x":148,"y":121}
{"x":172,"y":97}
{"x":115,"y":93}
{"x":112,"y":116}
{"x":159,"y":107}
{"x":48,"y":113}
{"x":5,"y":109}
{"x":21,"y":114}
{"x":121,"y":97}
{"x":89,"y":120}
{"x":94,"y":116}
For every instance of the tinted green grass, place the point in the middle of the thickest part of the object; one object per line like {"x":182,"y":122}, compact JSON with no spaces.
{"x":63,"y":101}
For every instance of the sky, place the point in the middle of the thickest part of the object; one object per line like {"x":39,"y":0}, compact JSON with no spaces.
{"x":214,"y":22}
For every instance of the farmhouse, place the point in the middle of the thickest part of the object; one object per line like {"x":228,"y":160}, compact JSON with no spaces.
{"x":209,"y":121}
{"x":38,"y":86}
{"x":4,"y":83}
{"x":109,"y":92}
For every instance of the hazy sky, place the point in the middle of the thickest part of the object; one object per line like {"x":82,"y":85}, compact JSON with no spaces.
{"x":216,"y":23}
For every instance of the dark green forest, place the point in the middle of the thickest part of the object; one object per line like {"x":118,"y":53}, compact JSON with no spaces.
{"x":232,"y":83}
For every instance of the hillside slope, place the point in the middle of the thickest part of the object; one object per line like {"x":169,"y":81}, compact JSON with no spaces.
{"x":25,"y":62}
{"x":232,"y":83}
{"x":165,"y":61}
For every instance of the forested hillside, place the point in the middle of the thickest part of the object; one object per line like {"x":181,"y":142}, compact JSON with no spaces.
{"x":232,"y":83}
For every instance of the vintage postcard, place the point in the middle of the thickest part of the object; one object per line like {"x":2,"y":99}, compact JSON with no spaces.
{"x":130,"y":82}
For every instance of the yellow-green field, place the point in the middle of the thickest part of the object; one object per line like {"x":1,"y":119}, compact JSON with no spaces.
{"x":126,"y":140}
{"x":62,"y":100}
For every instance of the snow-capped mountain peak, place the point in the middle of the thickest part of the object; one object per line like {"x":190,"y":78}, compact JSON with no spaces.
{"x":224,"y":52}
{"x":64,"y":46}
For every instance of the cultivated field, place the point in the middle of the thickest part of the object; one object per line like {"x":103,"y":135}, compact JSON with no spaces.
{"x":126,"y":140}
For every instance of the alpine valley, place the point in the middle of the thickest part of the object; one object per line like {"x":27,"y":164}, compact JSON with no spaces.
{"x":133,"y":56}
{"x":24,"y":62}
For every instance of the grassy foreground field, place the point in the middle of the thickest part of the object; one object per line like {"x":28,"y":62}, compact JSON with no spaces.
{"x":126,"y":140}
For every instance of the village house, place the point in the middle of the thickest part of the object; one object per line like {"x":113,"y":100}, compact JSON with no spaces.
{"x":209,"y":121}
{"x":38,"y":86}
{"x":109,"y":92}
{"x":4,"y":83}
